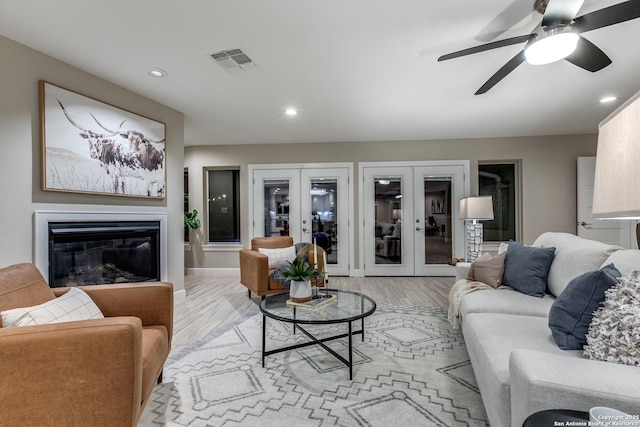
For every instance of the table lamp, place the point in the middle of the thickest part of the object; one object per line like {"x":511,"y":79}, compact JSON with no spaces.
{"x":474,"y":209}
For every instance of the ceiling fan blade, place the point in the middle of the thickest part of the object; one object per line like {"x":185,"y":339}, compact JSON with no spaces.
{"x":611,"y":15}
{"x":561,"y":11}
{"x":502,"y":72}
{"x":487,"y":46}
{"x":589,"y":56}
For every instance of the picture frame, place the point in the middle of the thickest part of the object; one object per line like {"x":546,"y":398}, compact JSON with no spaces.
{"x":91,"y":147}
{"x":438,"y":206}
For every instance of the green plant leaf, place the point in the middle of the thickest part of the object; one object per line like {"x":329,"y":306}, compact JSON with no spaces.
{"x":191,"y":220}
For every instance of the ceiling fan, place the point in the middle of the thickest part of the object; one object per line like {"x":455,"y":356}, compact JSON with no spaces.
{"x":557,"y":37}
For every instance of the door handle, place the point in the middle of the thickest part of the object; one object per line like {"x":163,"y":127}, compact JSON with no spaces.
{"x":585,"y":224}
{"x":418,"y":229}
{"x":304,"y":230}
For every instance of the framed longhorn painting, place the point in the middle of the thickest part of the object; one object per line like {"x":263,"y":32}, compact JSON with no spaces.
{"x":89,"y":146}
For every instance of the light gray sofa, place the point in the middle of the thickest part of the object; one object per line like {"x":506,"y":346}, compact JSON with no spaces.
{"x":519,"y":368}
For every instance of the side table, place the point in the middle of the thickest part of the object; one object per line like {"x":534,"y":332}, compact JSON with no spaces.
{"x":555,"y":417}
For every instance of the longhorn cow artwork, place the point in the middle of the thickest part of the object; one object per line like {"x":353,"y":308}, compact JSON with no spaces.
{"x":93,"y":147}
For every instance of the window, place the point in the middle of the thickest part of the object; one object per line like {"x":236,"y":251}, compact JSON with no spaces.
{"x":224,"y":205}
{"x":501,"y":181}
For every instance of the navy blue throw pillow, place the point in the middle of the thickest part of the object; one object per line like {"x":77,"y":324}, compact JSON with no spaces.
{"x":571,"y":313}
{"x":527,"y":267}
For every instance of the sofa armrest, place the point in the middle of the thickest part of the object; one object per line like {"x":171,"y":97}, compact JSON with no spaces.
{"x":254,"y":270}
{"x":151,"y":302}
{"x":73,"y":373}
{"x":462,"y":270}
{"x":541,"y":381}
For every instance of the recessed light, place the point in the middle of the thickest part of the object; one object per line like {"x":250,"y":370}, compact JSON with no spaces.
{"x":608,"y":99}
{"x":291,"y":112}
{"x":156,"y":72}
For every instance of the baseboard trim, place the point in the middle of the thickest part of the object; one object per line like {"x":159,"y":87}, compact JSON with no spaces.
{"x":179,"y":295}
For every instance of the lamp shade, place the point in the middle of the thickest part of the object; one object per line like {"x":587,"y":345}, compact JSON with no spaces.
{"x":477,"y":207}
{"x":616,"y":192}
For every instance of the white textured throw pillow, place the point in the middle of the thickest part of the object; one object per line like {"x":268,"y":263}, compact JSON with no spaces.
{"x":279,"y":256}
{"x":73,"y":305}
{"x":614,"y":333}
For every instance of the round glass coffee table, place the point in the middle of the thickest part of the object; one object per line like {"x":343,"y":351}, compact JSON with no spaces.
{"x":343,"y":307}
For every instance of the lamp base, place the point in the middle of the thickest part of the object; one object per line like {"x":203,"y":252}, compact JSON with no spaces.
{"x":474,"y":240}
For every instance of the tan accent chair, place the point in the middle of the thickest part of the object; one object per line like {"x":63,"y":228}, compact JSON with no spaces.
{"x":254,"y":266}
{"x":96,"y":372}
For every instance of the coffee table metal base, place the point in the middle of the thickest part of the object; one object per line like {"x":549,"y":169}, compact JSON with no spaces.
{"x":319,"y":341}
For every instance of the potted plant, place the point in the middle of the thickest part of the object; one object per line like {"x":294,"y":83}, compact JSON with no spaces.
{"x":191,"y":220}
{"x":299,"y":272}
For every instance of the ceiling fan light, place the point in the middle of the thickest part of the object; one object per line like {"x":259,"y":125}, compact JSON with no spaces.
{"x":554,"y":45}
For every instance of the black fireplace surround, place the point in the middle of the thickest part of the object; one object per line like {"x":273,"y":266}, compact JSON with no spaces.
{"x":92,"y":253}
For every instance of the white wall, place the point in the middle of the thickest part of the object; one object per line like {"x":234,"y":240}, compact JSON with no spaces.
{"x":548,"y":175}
{"x":20,"y":154}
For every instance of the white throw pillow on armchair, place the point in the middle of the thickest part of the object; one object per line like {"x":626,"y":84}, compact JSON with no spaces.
{"x":74,"y":305}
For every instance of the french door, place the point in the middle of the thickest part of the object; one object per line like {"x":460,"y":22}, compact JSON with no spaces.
{"x":410,"y":217}
{"x":307,"y":202}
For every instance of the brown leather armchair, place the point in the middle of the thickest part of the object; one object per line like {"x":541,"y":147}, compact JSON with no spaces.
{"x":96,"y":372}
{"x":254,"y":266}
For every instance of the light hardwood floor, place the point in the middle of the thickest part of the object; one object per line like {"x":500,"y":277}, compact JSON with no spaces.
{"x":214,"y":301}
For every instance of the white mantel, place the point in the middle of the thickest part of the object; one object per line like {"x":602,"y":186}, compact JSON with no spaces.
{"x":43,"y":218}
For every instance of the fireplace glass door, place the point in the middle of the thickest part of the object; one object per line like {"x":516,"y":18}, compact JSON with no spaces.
{"x":103,"y":253}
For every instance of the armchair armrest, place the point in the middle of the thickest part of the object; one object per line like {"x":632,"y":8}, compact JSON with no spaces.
{"x":151,"y":302}
{"x":74,"y":373}
{"x":254,"y":270}
{"x":541,"y":381}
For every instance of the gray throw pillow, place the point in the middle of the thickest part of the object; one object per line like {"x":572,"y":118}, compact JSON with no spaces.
{"x":572,"y":312}
{"x":527,"y":267}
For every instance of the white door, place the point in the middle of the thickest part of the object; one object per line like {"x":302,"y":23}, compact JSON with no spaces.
{"x":615,"y":232}
{"x":305,"y":202}
{"x":438,"y":231}
{"x":388,"y":217}
{"x":324,"y":200}
{"x":410,"y":218}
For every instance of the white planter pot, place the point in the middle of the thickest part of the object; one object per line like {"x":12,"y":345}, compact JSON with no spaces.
{"x":300,"y":291}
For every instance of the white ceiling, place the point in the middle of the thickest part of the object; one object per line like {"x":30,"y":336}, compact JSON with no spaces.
{"x":357,"y":70}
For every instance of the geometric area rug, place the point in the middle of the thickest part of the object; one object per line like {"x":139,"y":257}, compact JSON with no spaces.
{"x":411,"y":370}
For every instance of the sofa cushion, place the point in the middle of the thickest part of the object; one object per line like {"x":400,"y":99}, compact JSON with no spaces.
{"x":490,"y":339}
{"x":73,"y":305}
{"x":574,"y":256}
{"x":571,"y":313}
{"x":527,"y":267}
{"x":155,"y":350}
{"x":279,"y":256}
{"x":626,"y":261}
{"x":505,"y":300}
{"x":488,"y":269}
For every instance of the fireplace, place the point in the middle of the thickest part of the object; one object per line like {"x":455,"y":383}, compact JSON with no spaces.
{"x":90,"y":248}
{"x":94,"y":253}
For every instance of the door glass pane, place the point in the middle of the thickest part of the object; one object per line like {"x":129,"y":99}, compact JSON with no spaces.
{"x":276,"y":207}
{"x":324,"y":208}
{"x":388,"y":216}
{"x":437,"y":221}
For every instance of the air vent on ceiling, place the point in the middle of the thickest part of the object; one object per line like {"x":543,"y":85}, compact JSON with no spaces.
{"x":233,"y":60}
